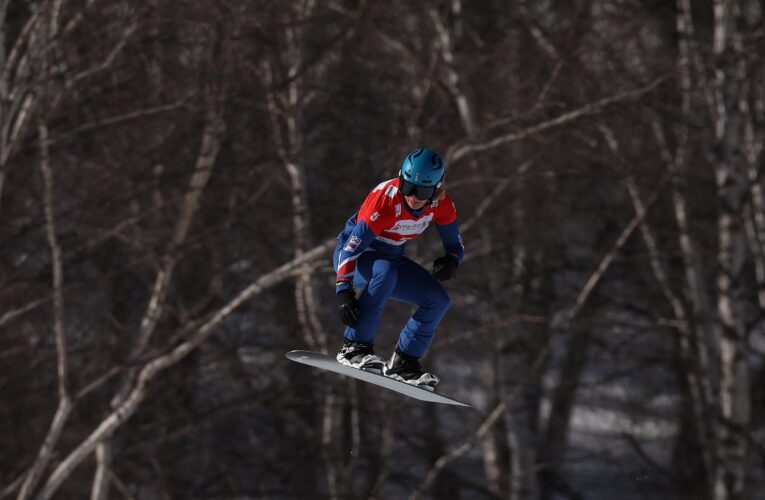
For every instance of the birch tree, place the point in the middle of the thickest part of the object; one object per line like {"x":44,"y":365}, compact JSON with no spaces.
{"x":212,"y":136}
{"x":167,"y":169}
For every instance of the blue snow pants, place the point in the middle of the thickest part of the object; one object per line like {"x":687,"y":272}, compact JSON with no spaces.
{"x":401,"y":279}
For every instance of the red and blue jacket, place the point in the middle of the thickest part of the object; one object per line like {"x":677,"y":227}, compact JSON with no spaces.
{"x":385,"y":223}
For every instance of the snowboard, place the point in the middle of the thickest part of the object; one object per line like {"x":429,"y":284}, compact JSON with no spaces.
{"x":325,"y":362}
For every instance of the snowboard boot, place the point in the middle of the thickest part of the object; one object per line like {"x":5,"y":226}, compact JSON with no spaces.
{"x":407,"y":369}
{"x":360,"y":355}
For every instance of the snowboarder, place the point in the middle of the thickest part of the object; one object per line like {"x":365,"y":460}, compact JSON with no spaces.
{"x":370,"y":256}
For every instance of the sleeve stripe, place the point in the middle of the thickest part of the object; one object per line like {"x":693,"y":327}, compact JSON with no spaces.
{"x":348,"y":260}
{"x":355,"y":245}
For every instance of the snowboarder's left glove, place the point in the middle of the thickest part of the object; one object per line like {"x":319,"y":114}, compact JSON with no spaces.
{"x":348,"y":307}
{"x":444,"y":268}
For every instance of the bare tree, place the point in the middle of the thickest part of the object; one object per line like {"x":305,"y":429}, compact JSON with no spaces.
{"x":163,"y":164}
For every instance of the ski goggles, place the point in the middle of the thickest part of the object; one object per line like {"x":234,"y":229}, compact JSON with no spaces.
{"x":422,"y":193}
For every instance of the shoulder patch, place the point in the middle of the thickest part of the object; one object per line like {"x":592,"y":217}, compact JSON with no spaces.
{"x":353,"y":244}
{"x":391,"y":191}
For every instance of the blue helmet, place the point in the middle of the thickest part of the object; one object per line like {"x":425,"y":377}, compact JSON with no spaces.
{"x":422,"y":174}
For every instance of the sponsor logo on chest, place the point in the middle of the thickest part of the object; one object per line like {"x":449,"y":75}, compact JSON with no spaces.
{"x":410,"y":225}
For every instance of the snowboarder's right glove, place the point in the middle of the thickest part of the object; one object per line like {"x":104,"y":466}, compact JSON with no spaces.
{"x":348,"y":307}
{"x":444,"y":268}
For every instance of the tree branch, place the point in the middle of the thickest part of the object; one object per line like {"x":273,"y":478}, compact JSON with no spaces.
{"x":113,"y":120}
{"x":459,"y":150}
{"x":15,"y":313}
{"x":596,"y":276}
{"x":456,"y":453}
{"x":138,"y":393}
{"x":64,"y":401}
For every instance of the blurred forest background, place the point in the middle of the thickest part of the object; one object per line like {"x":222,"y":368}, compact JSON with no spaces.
{"x":172,"y":177}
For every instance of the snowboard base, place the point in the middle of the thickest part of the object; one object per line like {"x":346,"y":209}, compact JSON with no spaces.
{"x":318,"y":360}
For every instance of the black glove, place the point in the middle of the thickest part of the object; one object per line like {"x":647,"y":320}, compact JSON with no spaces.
{"x":444,"y":268}
{"x":348,"y":307}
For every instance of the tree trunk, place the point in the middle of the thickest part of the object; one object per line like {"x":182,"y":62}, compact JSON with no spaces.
{"x":212,"y":137}
{"x":149,"y":371}
{"x":495,"y":451}
{"x":555,"y":437}
{"x":732,"y":180}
